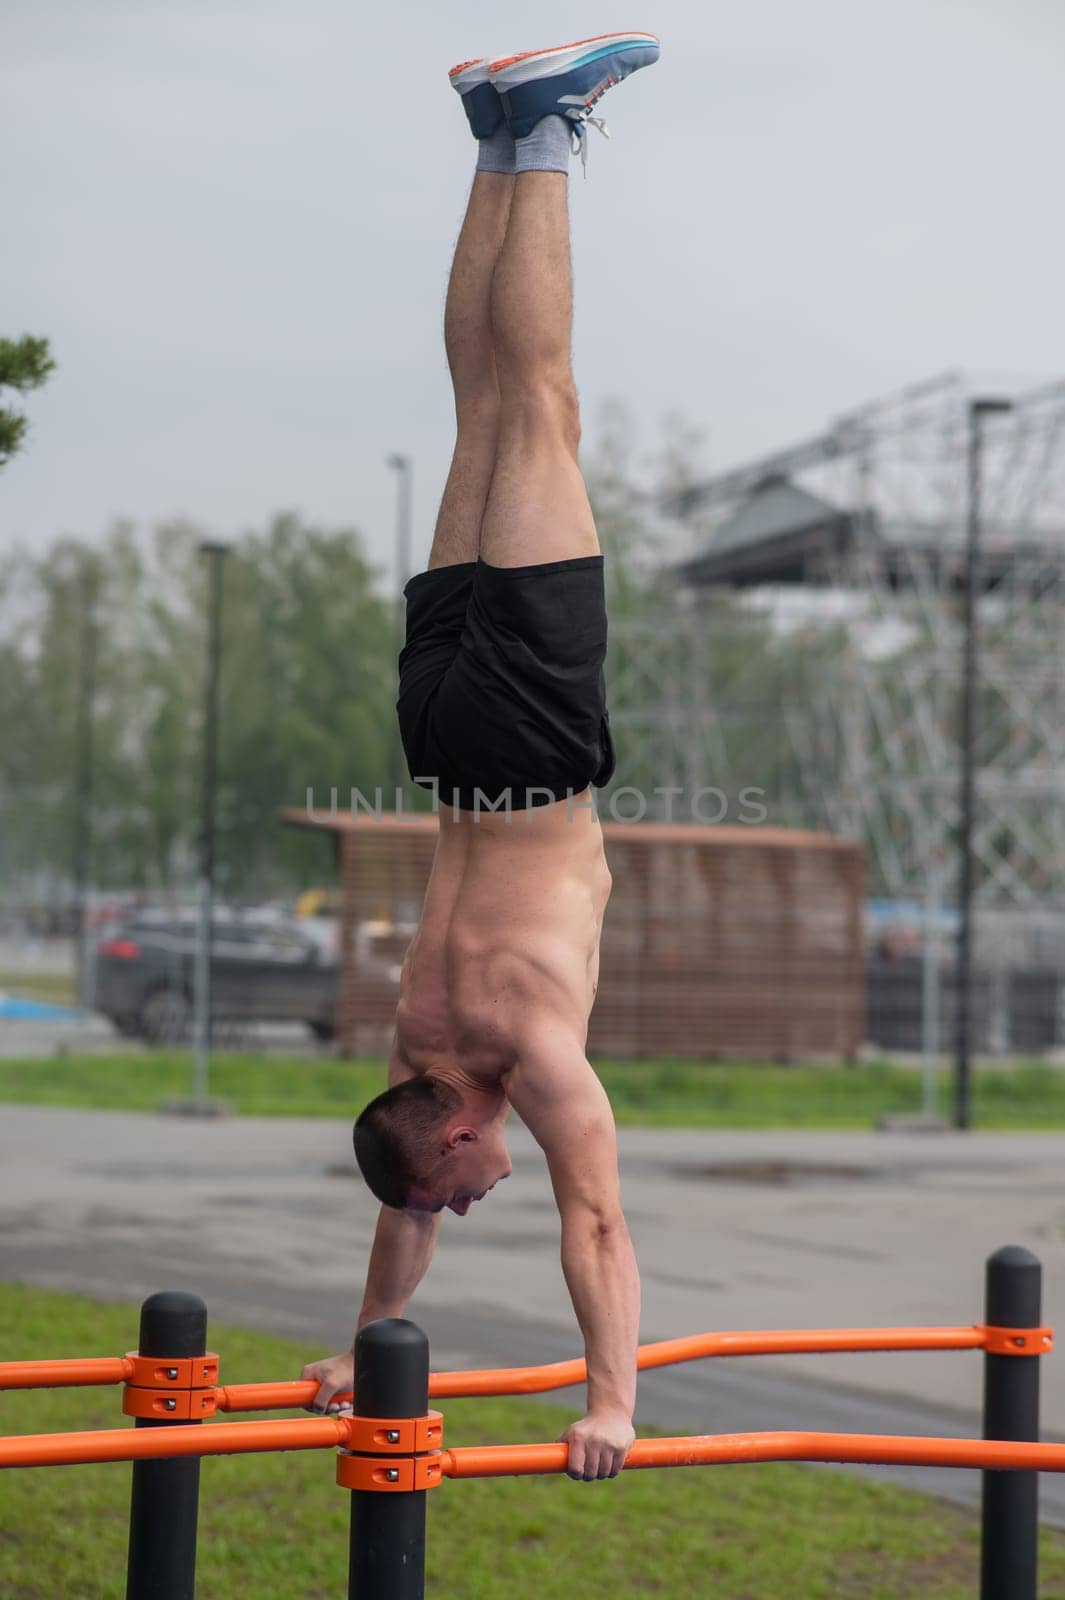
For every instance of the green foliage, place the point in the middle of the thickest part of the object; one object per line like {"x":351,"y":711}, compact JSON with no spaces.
{"x":25,"y":364}
{"x":276,"y":1526}
{"x":306,"y":691}
{"x":308,"y":688}
{"x":305,"y":698}
{"x":710,"y":693}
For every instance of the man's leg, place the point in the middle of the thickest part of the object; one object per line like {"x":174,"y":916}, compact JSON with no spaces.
{"x":471,"y":358}
{"x":537,"y":507}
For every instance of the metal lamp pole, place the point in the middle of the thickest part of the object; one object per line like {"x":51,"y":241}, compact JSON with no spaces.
{"x":216,"y":554}
{"x":84,"y":784}
{"x":978,"y":410}
{"x":403,"y":466}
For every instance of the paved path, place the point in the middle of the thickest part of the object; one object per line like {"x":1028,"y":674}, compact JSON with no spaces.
{"x":265,"y":1218}
{"x":86,"y":1033}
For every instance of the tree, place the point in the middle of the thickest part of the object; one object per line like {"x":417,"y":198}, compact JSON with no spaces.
{"x":307,"y":690}
{"x":306,"y":701}
{"x":25,"y":364}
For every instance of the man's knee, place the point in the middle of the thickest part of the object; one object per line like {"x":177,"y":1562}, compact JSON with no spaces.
{"x":543,"y":404}
{"x":570,"y":414}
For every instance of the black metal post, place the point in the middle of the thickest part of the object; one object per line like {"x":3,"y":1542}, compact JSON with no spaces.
{"x":972,"y":580}
{"x":387,"y":1560}
{"x":216,"y":554}
{"x":1009,"y":1549}
{"x":165,"y":1495}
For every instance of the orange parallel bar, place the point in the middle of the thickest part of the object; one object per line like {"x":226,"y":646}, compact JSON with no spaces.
{"x":526,"y":1380}
{"x":64,"y":1374}
{"x":199,"y":1439}
{"x":267,"y":1396}
{"x":669,"y":1352}
{"x":521,"y":1460}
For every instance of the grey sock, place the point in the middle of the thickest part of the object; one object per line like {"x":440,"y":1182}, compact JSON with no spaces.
{"x":496,"y":154}
{"x":546,"y":149}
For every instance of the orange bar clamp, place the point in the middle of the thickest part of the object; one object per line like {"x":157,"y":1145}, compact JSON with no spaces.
{"x":95,"y":1371}
{"x":182,"y":1390}
{"x":410,"y":1444}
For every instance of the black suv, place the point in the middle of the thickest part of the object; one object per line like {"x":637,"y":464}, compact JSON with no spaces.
{"x":262,"y":970}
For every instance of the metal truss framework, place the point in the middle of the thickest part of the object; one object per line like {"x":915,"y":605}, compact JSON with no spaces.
{"x":845,"y":711}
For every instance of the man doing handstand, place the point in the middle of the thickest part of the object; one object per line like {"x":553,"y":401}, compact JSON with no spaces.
{"x":502,"y":709}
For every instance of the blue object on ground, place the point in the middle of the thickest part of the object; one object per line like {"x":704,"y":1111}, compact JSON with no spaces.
{"x":12,"y":1009}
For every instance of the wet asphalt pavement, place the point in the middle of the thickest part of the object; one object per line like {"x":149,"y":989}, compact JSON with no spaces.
{"x":266,"y":1219}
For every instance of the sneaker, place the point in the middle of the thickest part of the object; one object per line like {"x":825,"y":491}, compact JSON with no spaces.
{"x":568,"y":81}
{"x":479,"y":99}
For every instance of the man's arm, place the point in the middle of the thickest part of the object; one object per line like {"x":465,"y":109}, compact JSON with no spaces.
{"x":402,"y":1249}
{"x":561,"y":1101}
{"x":403,"y":1242}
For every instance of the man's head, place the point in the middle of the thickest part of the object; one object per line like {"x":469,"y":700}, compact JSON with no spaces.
{"x":422,"y":1146}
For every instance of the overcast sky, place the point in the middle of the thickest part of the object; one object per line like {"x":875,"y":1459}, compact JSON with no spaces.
{"x":234,"y":222}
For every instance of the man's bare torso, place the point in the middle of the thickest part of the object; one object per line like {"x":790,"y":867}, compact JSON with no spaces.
{"x":509,"y":935}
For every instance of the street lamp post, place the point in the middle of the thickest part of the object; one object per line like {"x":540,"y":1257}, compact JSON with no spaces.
{"x":216,"y":554}
{"x":978,"y":410}
{"x":85,"y":983}
{"x":403,"y":467}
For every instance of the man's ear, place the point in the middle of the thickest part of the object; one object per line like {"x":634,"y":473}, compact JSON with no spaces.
{"x":461,"y":1135}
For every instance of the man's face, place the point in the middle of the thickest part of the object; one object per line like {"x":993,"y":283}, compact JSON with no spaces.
{"x":472,"y":1172}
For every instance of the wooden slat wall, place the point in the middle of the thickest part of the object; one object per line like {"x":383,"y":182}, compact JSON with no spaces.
{"x":717,"y":942}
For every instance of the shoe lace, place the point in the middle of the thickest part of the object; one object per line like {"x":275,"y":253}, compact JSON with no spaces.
{"x":579,"y":134}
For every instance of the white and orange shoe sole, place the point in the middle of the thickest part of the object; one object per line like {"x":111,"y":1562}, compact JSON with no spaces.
{"x":529,"y":65}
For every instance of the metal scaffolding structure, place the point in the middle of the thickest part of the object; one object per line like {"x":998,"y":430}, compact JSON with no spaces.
{"x":812,"y":647}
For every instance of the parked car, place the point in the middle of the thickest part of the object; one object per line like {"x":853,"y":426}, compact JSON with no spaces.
{"x":262,"y":970}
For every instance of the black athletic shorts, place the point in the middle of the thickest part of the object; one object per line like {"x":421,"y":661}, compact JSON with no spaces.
{"x":501,"y":686}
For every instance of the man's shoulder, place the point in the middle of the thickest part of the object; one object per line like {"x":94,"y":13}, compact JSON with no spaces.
{"x":557,"y":1093}
{"x":423,"y":1031}
{"x":551,"y":1055}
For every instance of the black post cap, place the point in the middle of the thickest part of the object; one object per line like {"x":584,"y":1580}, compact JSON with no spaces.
{"x":173,"y":1324}
{"x":391,"y":1369}
{"x":1014,"y":1278}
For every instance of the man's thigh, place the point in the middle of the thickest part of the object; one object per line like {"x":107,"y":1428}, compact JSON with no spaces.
{"x":538,"y":508}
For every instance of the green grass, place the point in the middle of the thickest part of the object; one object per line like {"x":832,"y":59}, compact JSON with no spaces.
{"x":275,"y":1527}
{"x":760,"y":1095}
{"x":677,"y":1094}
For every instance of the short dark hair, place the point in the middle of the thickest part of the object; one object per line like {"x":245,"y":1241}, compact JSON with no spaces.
{"x":397,"y":1137}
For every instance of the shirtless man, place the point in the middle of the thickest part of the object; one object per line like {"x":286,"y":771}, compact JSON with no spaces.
{"x":502,"y":705}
